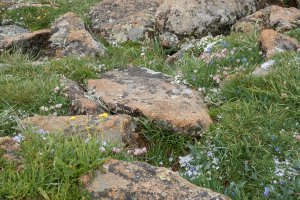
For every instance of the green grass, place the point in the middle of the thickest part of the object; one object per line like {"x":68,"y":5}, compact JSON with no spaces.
{"x":36,"y":18}
{"x":255,"y":118}
{"x":52,"y":167}
{"x":164,"y":146}
{"x":257,"y":121}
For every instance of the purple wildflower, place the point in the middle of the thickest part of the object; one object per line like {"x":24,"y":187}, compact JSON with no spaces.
{"x":267,"y":191}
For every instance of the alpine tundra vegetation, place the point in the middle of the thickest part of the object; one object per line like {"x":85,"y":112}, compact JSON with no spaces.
{"x":140,"y":99}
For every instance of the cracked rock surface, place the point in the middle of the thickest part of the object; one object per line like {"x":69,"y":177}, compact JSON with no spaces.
{"x":137,"y":180}
{"x":143,"y":92}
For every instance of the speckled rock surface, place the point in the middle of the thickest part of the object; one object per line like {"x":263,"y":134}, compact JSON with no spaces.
{"x":28,"y":41}
{"x":69,"y":37}
{"x":11,"y":30}
{"x":274,"y":17}
{"x":122,"y":20}
{"x":137,"y":180}
{"x":264,"y":3}
{"x":143,"y":92}
{"x":114,"y":128}
{"x":80,"y":103}
{"x":272,"y":42}
{"x":9,"y":149}
{"x":198,"y":18}
{"x":6,"y":3}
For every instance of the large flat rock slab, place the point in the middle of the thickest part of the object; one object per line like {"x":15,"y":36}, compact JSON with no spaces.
{"x":143,"y":92}
{"x":137,"y":180}
{"x":113,"y":128}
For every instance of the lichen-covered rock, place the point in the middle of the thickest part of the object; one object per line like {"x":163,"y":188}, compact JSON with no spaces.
{"x":143,"y":92}
{"x":6,"y":3}
{"x":272,"y":42}
{"x":114,"y":128}
{"x":9,"y":149}
{"x":11,"y":30}
{"x":274,"y":17}
{"x":69,"y":37}
{"x":198,"y":18}
{"x":27,"y":41}
{"x":264,"y":3}
{"x":168,"y":40}
{"x":80,"y":103}
{"x":122,"y":20}
{"x":137,"y":180}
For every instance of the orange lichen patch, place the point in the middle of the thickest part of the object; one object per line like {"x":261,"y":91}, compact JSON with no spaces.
{"x":143,"y":92}
{"x":139,"y":180}
{"x":272,"y":42}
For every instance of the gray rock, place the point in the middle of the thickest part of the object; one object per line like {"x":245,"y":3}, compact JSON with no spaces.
{"x":119,"y":21}
{"x":198,"y":18}
{"x":143,"y":92}
{"x":274,"y":17}
{"x":138,"y":180}
{"x":34,"y":41}
{"x":69,"y":37}
{"x":113,"y":128}
{"x":168,"y":40}
{"x":11,"y":30}
{"x":80,"y":102}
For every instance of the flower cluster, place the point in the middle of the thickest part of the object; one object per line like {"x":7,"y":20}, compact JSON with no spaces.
{"x":202,"y":162}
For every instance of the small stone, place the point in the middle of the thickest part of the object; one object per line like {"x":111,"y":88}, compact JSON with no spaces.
{"x":168,"y":40}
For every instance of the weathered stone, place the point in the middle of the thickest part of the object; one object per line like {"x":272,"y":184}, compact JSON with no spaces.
{"x":168,"y":40}
{"x":6,"y":3}
{"x":143,"y":92}
{"x":11,"y":30}
{"x":274,"y":17}
{"x":122,"y":20}
{"x":22,"y":5}
{"x":272,"y":42}
{"x":69,"y":37}
{"x":265,"y":3}
{"x":198,"y":18}
{"x":114,"y":128}
{"x":81,"y":103}
{"x":138,"y":180}
{"x":28,"y":41}
{"x":264,"y":69}
{"x":10,"y":148}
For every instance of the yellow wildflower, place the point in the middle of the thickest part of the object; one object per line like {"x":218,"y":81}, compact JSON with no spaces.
{"x":103,"y":115}
{"x":73,"y":118}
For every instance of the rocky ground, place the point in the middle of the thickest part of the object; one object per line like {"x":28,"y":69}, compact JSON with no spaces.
{"x":161,"y":99}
